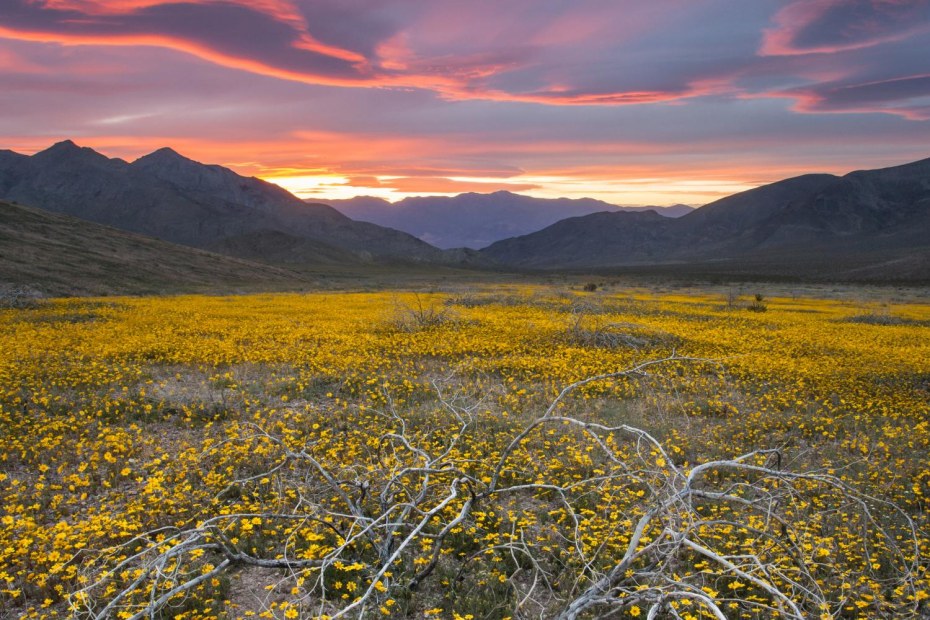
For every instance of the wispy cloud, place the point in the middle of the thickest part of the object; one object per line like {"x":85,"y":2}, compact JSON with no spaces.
{"x":830,"y":26}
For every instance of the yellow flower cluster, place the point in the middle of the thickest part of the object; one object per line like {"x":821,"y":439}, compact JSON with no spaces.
{"x":132,"y":417}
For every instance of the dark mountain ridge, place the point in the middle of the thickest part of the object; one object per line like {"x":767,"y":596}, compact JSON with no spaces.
{"x":171,"y":197}
{"x":806,"y":224}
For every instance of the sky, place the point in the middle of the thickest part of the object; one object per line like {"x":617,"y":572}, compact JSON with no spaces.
{"x":633,"y":102}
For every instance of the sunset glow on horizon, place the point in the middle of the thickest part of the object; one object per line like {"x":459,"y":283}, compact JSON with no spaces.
{"x":632,"y":103}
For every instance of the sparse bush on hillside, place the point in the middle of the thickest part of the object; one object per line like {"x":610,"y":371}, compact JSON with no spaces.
{"x":589,"y":287}
{"x":19,"y":297}
{"x":758,"y":304}
{"x":731,"y":301}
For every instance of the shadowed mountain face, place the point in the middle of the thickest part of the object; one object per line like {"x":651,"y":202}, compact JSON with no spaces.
{"x":804,"y":225}
{"x":596,"y":240}
{"x":168,"y":196}
{"x":477,"y":220}
{"x":64,"y":255}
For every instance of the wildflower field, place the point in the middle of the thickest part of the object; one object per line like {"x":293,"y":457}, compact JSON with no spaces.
{"x":398,"y":454}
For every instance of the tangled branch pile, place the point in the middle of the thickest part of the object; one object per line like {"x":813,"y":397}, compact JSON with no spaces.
{"x":565,"y":517}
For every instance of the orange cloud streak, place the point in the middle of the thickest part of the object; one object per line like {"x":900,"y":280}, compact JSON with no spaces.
{"x":451,"y":86}
{"x":440,"y":185}
{"x":182,"y":45}
{"x":281,"y":10}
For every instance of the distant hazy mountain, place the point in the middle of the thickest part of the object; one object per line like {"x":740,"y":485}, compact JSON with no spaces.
{"x":64,"y":255}
{"x":477,"y":220}
{"x":867,"y":222}
{"x":171,"y":197}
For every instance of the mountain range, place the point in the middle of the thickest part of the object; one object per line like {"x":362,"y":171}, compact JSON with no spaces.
{"x":866,"y":225}
{"x":872,"y":224}
{"x":171,"y":197}
{"x":477,"y":220}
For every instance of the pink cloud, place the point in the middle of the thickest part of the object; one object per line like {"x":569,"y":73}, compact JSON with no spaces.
{"x":908,"y":97}
{"x":468,"y":56}
{"x":282,"y":10}
{"x":830,"y":26}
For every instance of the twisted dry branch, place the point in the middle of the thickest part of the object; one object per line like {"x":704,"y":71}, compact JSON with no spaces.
{"x":399,"y":521}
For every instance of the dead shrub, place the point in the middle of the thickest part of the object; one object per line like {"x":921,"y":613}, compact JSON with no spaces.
{"x":19,"y":297}
{"x":420,"y":316}
{"x":586,"y":329}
